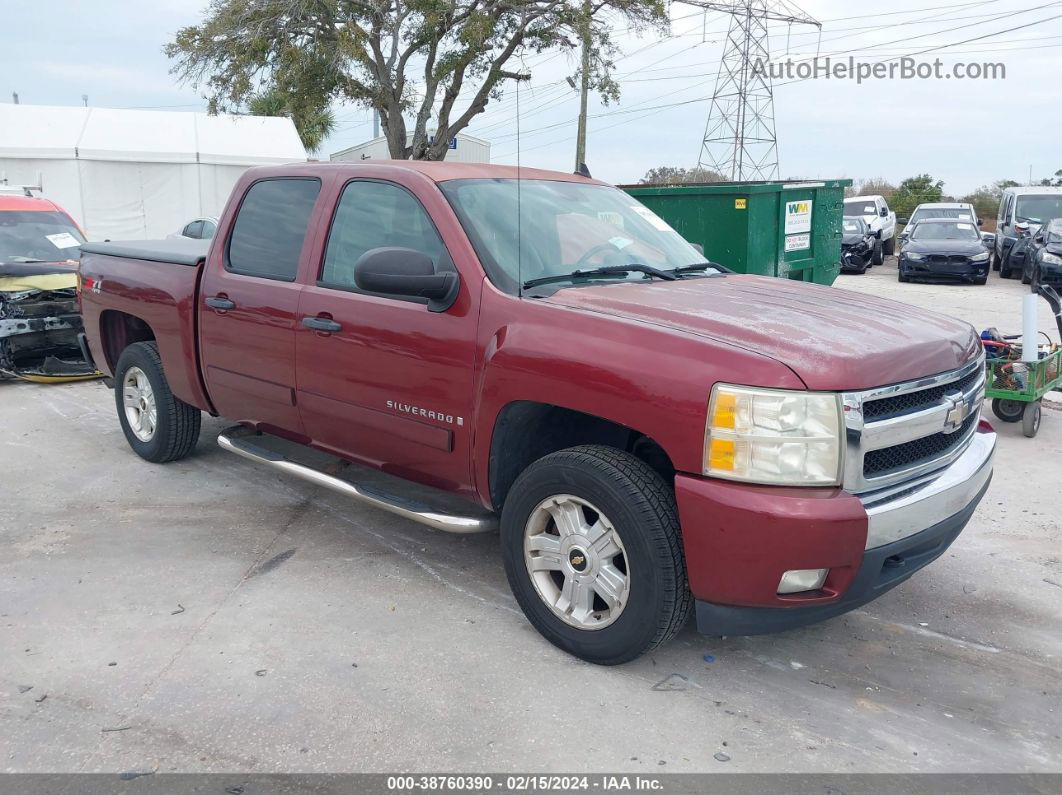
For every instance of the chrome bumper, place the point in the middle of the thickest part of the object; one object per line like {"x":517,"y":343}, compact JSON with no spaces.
{"x":895,"y":514}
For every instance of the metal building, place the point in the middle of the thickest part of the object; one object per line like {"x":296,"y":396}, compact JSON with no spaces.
{"x":463,"y":149}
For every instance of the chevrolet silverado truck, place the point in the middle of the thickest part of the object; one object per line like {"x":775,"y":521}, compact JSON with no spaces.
{"x":651,"y":434}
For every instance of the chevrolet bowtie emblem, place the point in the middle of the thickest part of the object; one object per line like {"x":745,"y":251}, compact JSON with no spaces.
{"x":578,"y":560}
{"x":957,"y":414}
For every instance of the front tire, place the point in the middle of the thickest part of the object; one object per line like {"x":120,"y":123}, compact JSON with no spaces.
{"x":593,"y":553}
{"x":890,"y":245}
{"x":158,"y":426}
{"x":1030,"y":419}
{"x":878,"y":257}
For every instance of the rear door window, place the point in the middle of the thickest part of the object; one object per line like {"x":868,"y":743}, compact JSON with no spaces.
{"x":270,"y":228}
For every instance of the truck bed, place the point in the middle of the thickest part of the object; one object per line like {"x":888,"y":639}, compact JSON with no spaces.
{"x":146,"y":290}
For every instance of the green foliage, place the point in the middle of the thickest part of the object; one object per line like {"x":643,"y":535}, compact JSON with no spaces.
{"x":986,"y":198}
{"x":914,"y":191}
{"x":674,"y":175}
{"x":1052,"y":182}
{"x":437,"y":61}
{"x":314,"y":123}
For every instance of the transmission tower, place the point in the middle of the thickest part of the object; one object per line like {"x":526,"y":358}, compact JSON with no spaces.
{"x":740,"y":141}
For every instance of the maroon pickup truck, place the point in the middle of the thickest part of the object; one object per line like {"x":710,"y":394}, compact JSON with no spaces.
{"x":653,"y":434}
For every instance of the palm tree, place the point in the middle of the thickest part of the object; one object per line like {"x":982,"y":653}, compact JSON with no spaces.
{"x":314,"y":125}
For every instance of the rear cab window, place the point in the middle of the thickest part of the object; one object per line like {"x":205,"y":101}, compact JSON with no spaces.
{"x":270,"y":227}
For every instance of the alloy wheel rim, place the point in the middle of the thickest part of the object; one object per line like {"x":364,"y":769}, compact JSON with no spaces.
{"x":138,"y":398}
{"x":576,"y":561}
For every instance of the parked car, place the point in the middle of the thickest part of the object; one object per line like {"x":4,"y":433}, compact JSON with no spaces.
{"x":875,"y":211}
{"x":39,"y":319}
{"x":654,"y":435}
{"x":199,"y":228}
{"x":1043,"y":261}
{"x":942,"y":248}
{"x":960,"y":211}
{"x":858,"y":244}
{"x":1030,"y":205}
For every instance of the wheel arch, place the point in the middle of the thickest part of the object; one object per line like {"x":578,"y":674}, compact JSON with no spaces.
{"x":525,"y":431}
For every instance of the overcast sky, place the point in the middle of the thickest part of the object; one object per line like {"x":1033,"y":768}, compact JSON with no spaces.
{"x":967,"y":133}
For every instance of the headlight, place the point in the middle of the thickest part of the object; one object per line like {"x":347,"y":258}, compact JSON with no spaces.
{"x":1051,"y":259}
{"x":979,"y":257}
{"x":775,"y":437}
{"x":913,"y":256}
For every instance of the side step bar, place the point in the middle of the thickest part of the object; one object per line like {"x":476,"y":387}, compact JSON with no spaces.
{"x":241,"y":440}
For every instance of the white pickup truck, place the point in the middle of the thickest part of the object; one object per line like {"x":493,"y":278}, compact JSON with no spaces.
{"x":875,"y":211}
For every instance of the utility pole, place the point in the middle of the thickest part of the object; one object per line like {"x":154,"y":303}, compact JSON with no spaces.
{"x":584,"y":88}
{"x":84,"y":100}
{"x":14,"y":97}
{"x":375,"y":124}
{"x":740,"y":139}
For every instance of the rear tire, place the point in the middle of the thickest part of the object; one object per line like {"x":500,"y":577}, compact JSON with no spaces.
{"x":608,"y":512}
{"x":158,"y":426}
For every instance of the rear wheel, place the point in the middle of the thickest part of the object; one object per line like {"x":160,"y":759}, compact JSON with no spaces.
{"x":1008,"y":410}
{"x":593,"y":554}
{"x":1030,"y":419}
{"x":158,"y":426}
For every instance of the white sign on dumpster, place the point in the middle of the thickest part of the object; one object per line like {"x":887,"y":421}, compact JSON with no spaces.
{"x":797,"y":242}
{"x":798,"y":217}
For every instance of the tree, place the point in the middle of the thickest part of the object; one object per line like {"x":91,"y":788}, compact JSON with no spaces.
{"x":986,"y":198}
{"x":1048,"y":182}
{"x":441,"y":61}
{"x":674,"y":175}
{"x":313,"y":123}
{"x":914,"y":191}
{"x":875,"y":186}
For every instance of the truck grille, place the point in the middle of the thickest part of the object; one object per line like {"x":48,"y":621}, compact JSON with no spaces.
{"x":906,"y":431}
{"x":915,"y":401}
{"x":901,"y":456}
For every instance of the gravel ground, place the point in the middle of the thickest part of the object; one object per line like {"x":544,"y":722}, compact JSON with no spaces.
{"x":212,"y":616}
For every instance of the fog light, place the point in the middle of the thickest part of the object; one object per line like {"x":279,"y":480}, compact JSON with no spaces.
{"x":801,"y":580}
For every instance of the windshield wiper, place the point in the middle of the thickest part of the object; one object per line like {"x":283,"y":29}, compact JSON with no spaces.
{"x":608,"y":270}
{"x":22,"y":260}
{"x":700,"y":267}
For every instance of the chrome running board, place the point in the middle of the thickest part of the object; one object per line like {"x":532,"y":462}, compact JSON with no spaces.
{"x":241,"y":440}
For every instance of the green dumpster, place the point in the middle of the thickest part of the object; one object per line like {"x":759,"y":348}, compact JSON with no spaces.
{"x":787,"y":229}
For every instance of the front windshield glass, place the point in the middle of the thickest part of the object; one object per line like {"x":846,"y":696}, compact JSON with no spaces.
{"x":1039,"y":208}
{"x":563,"y":227}
{"x":854,"y":226}
{"x":34,"y":236}
{"x":860,"y":208}
{"x":1054,"y":233}
{"x":945,"y":231}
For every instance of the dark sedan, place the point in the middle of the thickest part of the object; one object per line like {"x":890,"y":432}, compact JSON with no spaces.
{"x":857,"y":245}
{"x":944,"y":248}
{"x":1043,"y":260}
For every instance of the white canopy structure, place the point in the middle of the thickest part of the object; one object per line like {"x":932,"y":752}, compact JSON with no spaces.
{"x":137,"y":174}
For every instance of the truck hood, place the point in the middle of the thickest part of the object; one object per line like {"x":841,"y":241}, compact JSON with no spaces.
{"x":832,"y":339}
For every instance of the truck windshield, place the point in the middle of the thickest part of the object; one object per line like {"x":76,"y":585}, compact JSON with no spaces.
{"x":551,"y":229}
{"x":35,"y":236}
{"x":857,"y":208}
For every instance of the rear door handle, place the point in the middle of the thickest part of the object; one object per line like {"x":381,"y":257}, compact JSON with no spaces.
{"x":217,"y":302}
{"x":322,"y":324}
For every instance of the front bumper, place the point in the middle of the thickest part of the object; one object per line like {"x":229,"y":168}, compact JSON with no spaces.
{"x":740,"y":540}
{"x":943,"y":270}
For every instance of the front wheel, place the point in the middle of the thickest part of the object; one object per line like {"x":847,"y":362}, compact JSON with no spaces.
{"x":879,"y":257}
{"x":890,"y":245}
{"x":158,"y":426}
{"x":1030,"y":419}
{"x":592,"y":550}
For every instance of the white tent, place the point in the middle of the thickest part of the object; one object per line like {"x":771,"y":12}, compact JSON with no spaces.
{"x":137,"y":174}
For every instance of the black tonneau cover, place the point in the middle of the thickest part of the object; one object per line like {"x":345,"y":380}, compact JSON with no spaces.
{"x":178,"y":251}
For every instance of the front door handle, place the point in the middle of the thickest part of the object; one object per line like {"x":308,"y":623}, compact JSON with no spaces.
{"x":217,"y":302}
{"x":324,"y":324}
